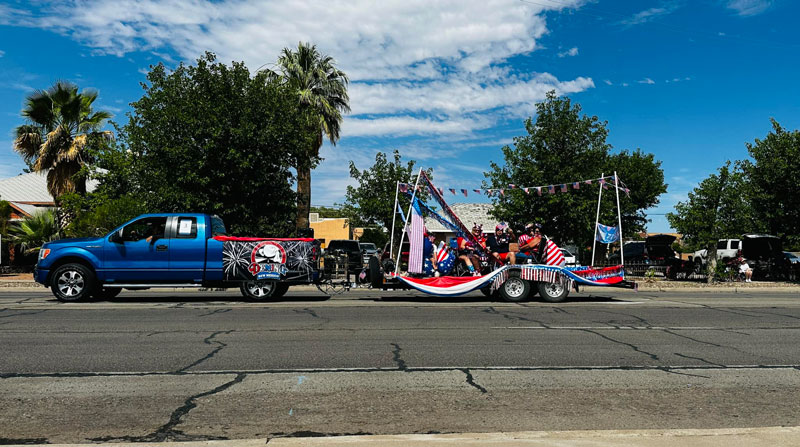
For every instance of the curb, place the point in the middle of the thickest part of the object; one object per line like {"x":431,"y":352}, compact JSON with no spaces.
{"x":719,"y":437}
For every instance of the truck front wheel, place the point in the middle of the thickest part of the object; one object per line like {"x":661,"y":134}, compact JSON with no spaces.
{"x":72,"y":282}
{"x":260,"y":290}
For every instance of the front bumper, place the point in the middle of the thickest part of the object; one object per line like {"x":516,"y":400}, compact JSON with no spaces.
{"x":41,"y":276}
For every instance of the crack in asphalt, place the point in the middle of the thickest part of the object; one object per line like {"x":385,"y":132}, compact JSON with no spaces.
{"x":401,"y":364}
{"x":775,"y":314}
{"x":208,"y":340}
{"x":640,"y":319}
{"x":515,"y":318}
{"x":168,"y":432}
{"x":559,"y":310}
{"x":668,"y":331}
{"x":630,"y":345}
{"x":308,"y":311}
{"x":217,"y":311}
{"x":680,"y":373}
{"x":700,"y":359}
{"x":313,"y":434}
{"x":23,"y":441}
{"x":471,"y":380}
{"x":24,"y":313}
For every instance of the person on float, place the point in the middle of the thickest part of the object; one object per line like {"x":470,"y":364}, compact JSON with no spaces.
{"x":498,"y":244}
{"x":529,"y":242}
{"x":429,"y":266}
{"x":466,"y":250}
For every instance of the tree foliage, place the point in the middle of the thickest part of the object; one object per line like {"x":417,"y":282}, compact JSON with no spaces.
{"x":370,"y":203}
{"x":211,"y":138}
{"x":62,"y":129}
{"x":562,"y":146}
{"x":33,"y":231}
{"x":773,"y":175}
{"x":96,"y":214}
{"x":321,"y":92}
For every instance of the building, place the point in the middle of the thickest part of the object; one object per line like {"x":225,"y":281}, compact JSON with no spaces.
{"x":27,"y":193}
{"x":327,"y":229}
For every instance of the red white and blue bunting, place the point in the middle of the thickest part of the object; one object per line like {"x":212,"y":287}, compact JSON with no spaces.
{"x":604,"y":182}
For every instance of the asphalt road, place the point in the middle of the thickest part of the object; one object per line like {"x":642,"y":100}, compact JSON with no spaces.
{"x":185,"y":365}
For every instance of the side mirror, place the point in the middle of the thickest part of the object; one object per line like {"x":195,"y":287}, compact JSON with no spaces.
{"x":116,"y":236}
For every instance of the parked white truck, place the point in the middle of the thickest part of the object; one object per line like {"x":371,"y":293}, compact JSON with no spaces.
{"x":727,"y":249}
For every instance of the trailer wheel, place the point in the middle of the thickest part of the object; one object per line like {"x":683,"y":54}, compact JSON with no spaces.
{"x":553,"y":292}
{"x":515,"y":289}
{"x":259,"y":290}
{"x":72,"y":282}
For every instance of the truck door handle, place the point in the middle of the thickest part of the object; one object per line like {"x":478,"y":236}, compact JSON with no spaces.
{"x":161,"y":248}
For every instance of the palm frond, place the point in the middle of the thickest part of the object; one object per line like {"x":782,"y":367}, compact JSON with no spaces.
{"x":28,"y":141}
{"x":58,"y":141}
{"x":32,"y":232}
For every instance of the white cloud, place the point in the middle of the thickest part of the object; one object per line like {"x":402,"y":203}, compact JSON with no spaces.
{"x":2,"y":53}
{"x":649,"y":14}
{"x":608,"y":82}
{"x":571,"y":52}
{"x":646,"y":81}
{"x":441,"y":62}
{"x":749,"y":7}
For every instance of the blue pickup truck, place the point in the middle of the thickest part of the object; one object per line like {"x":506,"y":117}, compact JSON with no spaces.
{"x":177,"y":250}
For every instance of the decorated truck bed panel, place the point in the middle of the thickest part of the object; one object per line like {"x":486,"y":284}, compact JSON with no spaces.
{"x":248,"y":259}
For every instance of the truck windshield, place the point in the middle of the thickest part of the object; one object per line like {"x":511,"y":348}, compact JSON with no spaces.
{"x":217,"y":227}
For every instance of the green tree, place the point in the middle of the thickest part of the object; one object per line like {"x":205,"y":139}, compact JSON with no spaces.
{"x":718,"y":208}
{"x":321,"y":91}
{"x":62,"y":128}
{"x":773,"y":175}
{"x":370,"y":204}
{"x":96,"y":214}
{"x":211,"y":138}
{"x":33,"y":231}
{"x":562,"y":146}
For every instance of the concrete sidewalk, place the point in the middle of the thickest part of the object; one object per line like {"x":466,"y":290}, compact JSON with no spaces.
{"x":722,"y":437}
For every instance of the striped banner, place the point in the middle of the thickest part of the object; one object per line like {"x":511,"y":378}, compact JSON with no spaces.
{"x":415,"y":239}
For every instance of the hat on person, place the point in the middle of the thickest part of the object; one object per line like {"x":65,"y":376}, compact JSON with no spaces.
{"x":501,"y":226}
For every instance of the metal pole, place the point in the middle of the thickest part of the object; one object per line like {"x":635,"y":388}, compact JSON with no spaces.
{"x":619,"y":219}
{"x":394,"y":216}
{"x":597,"y":219}
{"x":408,"y":217}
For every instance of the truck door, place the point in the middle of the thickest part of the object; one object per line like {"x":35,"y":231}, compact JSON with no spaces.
{"x":188,"y":249}
{"x":139,"y":253}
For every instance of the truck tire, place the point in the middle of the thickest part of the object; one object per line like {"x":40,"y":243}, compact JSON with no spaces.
{"x":106,"y":293}
{"x":515,"y":289}
{"x":555,"y":292}
{"x":72,"y":282}
{"x":280,"y":290}
{"x":259,"y":290}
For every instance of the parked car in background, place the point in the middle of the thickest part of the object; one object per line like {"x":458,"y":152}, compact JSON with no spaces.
{"x":727,"y":249}
{"x":368,"y":250}
{"x":764,"y":254}
{"x":569,"y":257}
{"x":791,"y":258}
{"x":654,"y":251}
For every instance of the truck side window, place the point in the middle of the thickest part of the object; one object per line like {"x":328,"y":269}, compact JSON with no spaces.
{"x":722,"y":245}
{"x":735,"y":245}
{"x":187,"y":228}
{"x":217,"y":227}
{"x":148,"y":227}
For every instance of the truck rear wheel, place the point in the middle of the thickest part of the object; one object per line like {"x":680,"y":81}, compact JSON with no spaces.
{"x":72,"y":282}
{"x":260,"y":290}
{"x":553,"y":292}
{"x":280,"y":290}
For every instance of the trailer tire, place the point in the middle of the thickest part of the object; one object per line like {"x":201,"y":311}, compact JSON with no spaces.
{"x":555,"y":292}
{"x":515,"y":289}
{"x":259,"y":290}
{"x":72,"y":282}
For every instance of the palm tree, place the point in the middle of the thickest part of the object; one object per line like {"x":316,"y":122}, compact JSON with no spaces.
{"x":33,"y":231}
{"x":321,"y":90}
{"x":61,"y":127}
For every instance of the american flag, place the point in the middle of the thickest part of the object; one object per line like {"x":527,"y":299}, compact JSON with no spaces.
{"x":554,"y":255}
{"x":404,"y":187}
{"x":415,"y":239}
{"x":464,"y":191}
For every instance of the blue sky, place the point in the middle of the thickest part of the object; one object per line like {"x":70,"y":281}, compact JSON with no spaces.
{"x":448,"y":83}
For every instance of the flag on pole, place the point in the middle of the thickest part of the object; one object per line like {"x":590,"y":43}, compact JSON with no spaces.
{"x":606,"y":234}
{"x":415,"y":238}
{"x":403,"y":187}
{"x":400,"y":210}
{"x":553,"y":255}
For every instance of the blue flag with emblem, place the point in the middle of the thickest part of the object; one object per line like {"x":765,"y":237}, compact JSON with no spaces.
{"x":606,"y":234}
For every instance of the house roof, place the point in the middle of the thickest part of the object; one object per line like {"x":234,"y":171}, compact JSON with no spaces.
{"x":31,"y":187}
{"x":468,"y":213}
{"x":28,"y":209}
